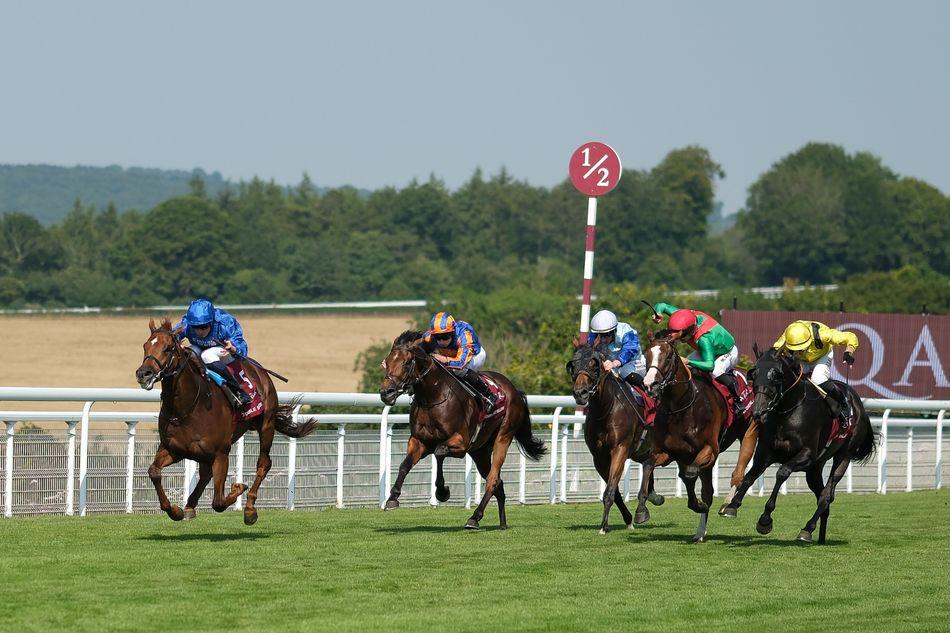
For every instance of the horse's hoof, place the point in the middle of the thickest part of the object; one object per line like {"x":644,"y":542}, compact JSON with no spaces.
{"x":471,"y":524}
{"x":728,"y":511}
{"x":238,"y":489}
{"x":503,"y":526}
{"x":250,"y":518}
{"x":602,"y":531}
{"x":630,"y":525}
{"x":641,"y":517}
{"x":442,"y":494}
{"x":763,"y":528}
{"x":656,"y":499}
{"x":699,"y":539}
{"x":804,"y":536}
{"x":175,"y":513}
{"x":190,"y":513}
{"x":392,"y":504}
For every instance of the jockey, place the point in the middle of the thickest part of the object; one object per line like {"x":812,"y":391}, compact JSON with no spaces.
{"x":622,"y":346}
{"x":714,"y":348}
{"x":812,"y":343}
{"x":216,"y":335}
{"x":455,"y":345}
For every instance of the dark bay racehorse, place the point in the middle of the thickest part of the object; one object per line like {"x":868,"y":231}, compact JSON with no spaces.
{"x":195,"y":422}
{"x":444,"y":421}
{"x":690,"y":426}
{"x":614,"y":427}
{"x":796,"y":432}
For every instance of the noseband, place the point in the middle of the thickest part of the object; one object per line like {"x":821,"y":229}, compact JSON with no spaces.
{"x":163,"y":368}
{"x":779,"y":394}
{"x":407,"y":383}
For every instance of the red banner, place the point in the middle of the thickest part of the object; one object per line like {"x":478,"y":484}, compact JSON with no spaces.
{"x":899,"y":356}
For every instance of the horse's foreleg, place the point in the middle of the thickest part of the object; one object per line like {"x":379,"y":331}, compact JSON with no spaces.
{"x":219,"y":472}
{"x":415,"y":450}
{"x":646,"y":487}
{"x":442,"y":492}
{"x":492,"y":478}
{"x":618,"y":456}
{"x":162,"y":460}
{"x":705,"y":477}
{"x":764,"y":525}
{"x":204,"y":476}
{"x":689,"y":474}
{"x":825,"y":498}
{"x":761,"y":461}
{"x":263,"y":467}
{"x":746,"y":450}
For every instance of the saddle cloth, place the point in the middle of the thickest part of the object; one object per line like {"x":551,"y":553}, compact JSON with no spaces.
{"x":256,"y":407}
{"x":745,"y":397}
{"x":501,"y":400}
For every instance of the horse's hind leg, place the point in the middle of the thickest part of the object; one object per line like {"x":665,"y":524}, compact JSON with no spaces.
{"x":489,"y":462}
{"x":263,"y":467}
{"x":219,"y":472}
{"x":705,"y":478}
{"x":746,"y":450}
{"x":204,"y":476}
{"x":162,"y":460}
{"x":442,"y":492}
{"x":646,"y":485}
{"x":827,"y":496}
{"x":761,"y":462}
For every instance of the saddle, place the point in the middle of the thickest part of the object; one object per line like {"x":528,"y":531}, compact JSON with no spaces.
{"x":251,"y":410}
{"x":746,"y":395}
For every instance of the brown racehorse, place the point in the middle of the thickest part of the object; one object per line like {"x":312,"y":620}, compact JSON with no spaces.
{"x":195,"y":422}
{"x":444,"y":421}
{"x":614,"y":429}
{"x":690,"y":427}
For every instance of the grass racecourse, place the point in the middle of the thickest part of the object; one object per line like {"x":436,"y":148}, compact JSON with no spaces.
{"x":886,"y":568}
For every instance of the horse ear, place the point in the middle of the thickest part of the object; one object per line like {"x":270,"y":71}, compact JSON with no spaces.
{"x":151,"y":324}
{"x":755,"y":350}
{"x":576,"y":342}
{"x":650,"y":336}
{"x":178,"y":330}
{"x":596,"y":342}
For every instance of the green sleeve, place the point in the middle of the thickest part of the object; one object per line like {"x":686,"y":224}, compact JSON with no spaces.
{"x":707,"y":358}
{"x":665,"y":308}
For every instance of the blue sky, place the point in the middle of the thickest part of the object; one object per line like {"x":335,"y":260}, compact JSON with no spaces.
{"x":379,"y":93}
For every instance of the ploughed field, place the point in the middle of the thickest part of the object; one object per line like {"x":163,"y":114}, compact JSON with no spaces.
{"x":316,"y":352}
{"x":885,"y":568}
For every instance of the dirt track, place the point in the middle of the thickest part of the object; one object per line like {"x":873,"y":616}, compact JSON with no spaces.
{"x":317,"y":352}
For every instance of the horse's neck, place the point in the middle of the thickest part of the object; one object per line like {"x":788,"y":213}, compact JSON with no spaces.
{"x":683,"y":381}
{"x":181,"y":388}
{"x":434,"y":382}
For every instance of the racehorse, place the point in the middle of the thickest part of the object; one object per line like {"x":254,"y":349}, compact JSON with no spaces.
{"x":195,"y":422}
{"x":614,"y":427}
{"x":797,"y":431}
{"x":446,"y":420}
{"x":691,"y":426}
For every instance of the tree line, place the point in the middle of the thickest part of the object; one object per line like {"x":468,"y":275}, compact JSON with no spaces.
{"x":818,"y":215}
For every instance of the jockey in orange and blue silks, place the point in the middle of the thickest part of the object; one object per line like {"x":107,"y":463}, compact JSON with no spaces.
{"x":455,"y":344}
{"x":218,"y":337}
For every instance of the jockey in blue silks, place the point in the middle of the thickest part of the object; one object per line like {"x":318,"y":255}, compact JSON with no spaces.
{"x":455,"y":344}
{"x":217,"y":336}
{"x":621,"y":344}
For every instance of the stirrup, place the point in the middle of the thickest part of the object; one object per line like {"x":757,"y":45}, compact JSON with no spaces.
{"x":489,"y":405}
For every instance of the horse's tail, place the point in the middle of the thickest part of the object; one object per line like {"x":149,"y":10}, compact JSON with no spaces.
{"x":284,"y":420}
{"x":530,"y":445}
{"x":868,"y":441}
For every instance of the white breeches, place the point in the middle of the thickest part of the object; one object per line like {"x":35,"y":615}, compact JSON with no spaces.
{"x":723,"y":363}
{"x":820,"y":369}
{"x":478,"y":361}
{"x":212,"y":354}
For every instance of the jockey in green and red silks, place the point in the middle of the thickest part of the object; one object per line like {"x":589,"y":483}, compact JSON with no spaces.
{"x":714,"y":348}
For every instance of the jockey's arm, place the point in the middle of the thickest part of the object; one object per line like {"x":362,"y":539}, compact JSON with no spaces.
{"x":464,"y":354}
{"x":780,"y":343}
{"x":707,"y":357}
{"x":180,"y":329}
{"x":665,"y":309}
{"x":838,"y":338}
{"x":233,"y":332}
{"x":630,"y":348}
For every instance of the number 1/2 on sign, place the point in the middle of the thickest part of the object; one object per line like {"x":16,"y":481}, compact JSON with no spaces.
{"x":595,"y":169}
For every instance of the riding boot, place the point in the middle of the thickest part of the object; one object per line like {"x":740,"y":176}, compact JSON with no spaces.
{"x":729,"y":381}
{"x":839,"y":402}
{"x":222,"y":370}
{"x":474,"y":380}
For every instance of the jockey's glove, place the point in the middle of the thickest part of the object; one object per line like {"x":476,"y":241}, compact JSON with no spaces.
{"x":849,"y":358}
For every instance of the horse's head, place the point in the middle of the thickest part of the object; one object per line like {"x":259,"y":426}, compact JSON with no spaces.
{"x":662,"y":361}
{"x":402,"y":366}
{"x":773,"y":374}
{"x":162,"y":350}
{"x":586,"y":369}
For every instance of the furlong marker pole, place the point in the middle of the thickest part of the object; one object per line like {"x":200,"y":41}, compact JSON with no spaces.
{"x":588,"y":266}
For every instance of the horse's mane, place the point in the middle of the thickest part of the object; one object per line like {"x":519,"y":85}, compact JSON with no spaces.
{"x":407,"y":337}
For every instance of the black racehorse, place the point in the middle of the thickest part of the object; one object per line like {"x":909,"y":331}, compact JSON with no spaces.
{"x":614,"y":427}
{"x":795,"y":430}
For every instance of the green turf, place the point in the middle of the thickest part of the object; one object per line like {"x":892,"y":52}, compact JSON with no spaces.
{"x":886,"y":568}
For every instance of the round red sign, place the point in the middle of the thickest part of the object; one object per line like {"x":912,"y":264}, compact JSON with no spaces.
{"x":595,"y":168}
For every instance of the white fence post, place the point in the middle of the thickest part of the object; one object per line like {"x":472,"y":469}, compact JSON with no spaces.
{"x":340,"y":444}
{"x":564,"y":433}
{"x":909,"y":485}
{"x":130,"y":465}
{"x":239,"y":471}
{"x":850,"y":478}
{"x":715,"y":478}
{"x":553,"y":475}
{"x":882,"y":455}
{"x":522,"y":474}
{"x":433,"y":471}
{"x":939,"y":465}
{"x":8,"y":472}
{"x":383,"y":430}
{"x":187,"y":483}
{"x":469,"y":483}
{"x":70,"y":466}
{"x":292,"y":463}
{"x":84,"y":457}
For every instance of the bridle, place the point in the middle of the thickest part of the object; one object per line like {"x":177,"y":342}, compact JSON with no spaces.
{"x":780,"y":392}
{"x":668,"y":378}
{"x":406,"y":384}
{"x":177,"y":354}
{"x":593,"y":379}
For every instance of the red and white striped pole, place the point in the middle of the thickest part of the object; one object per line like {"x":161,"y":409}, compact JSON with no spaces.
{"x":588,"y":266}
{"x":595,"y":170}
